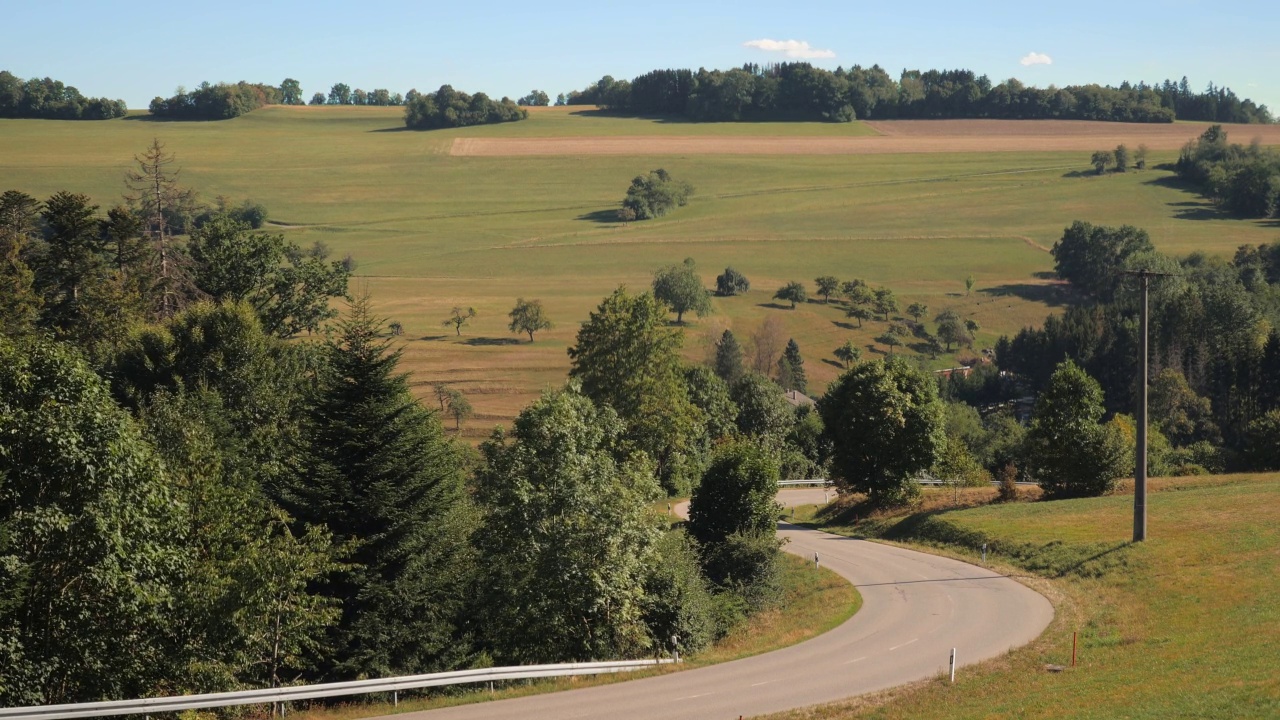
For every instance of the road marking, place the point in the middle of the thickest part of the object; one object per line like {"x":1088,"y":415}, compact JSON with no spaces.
{"x":903,"y":644}
{"x":855,"y":660}
{"x":690,"y":697}
{"x":766,"y":682}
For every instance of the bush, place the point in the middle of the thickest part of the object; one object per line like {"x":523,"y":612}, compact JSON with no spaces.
{"x":677,"y":599}
{"x":731,"y":282}
{"x":446,"y":108}
{"x":747,"y":565}
{"x":656,"y":194}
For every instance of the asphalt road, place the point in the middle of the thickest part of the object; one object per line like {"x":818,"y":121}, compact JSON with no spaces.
{"x":916,"y":608}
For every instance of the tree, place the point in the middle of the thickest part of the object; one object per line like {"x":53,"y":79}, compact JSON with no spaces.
{"x":627,"y":358}
{"x":1182,"y":415}
{"x":232,"y":263}
{"x":794,"y":365}
{"x":731,"y":282}
{"x":1067,"y":450}
{"x":1263,"y":449}
{"x":380,"y":473}
{"x":828,"y":285}
{"x":950,"y":329}
{"x":73,"y":258}
{"x":459,"y":317}
{"x":681,"y":289}
{"x":766,"y":344}
{"x":1090,"y":256}
{"x":656,"y":194}
{"x":89,"y":536}
{"x":763,"y":412}
{"x":1140,"y":158}
{"x":536,"y":98}
{"x":1121,"y":157}
{"x":290,"y":92}
{"x":884,"y":422}
{"x":793,"y":292}
{"x":917,"y":310}
{"x":317,"y":99}
{"x":728,"y":358}
{"x":710,"y":394}
{"x":968,"y":285}
{"x":568,"y":535}
{"x":885,"y":302}
{"x":1101,"y":160}
{"x":859,"y":312}
{"x":857,"y":292}
{"x":848,"y":354}
{"x":340,"y":94}
{"x":528,"y":317}
{"x":19,"y":302}
{"x":892,"y":337}
{"x":737,"y":494}
{"x":155,"y":194}
{"x":458,"y":408}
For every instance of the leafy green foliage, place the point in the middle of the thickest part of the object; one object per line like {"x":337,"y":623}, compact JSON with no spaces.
{"x":828,"y":285}
{"x":89,"y":536}
{"x":446,"y":108}
{"x":737,"y":494}
{"x":656,"y":194}
{"x":459,"y":317}
{"x":791,"y":374}
{"x":222,"y":101}
{"x":1089,"y":256}
{"x":763,"y":413}
{"x":528,"y":317}
{"x":568,"y":539}
{"x":731,"y":282}
{"x":1066,"y":448}
{"x":678,"y":608}
{"x":1245,"y":180}
{"x":51,"y":99}
{"x":711,"y":395}
{"x":848,"y":354}
{"x":627,"y":358}
{"x":681,"y":289}
{"x":19,"y":302}
{"x":793,"y":292}
{"x":885,"y":424}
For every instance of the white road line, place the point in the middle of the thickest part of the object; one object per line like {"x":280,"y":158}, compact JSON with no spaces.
{"x":855,"y":660}
{"x":903,"y":644}
{"x":766,"y":682}
{"x":690,"y":697}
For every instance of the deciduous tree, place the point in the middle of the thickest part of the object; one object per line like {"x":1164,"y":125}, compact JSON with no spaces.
{"x":828,"y":285}
{"x":528,"y":317}
{"x":1067,"y":450}
{"x":731,"y":282}
{"x":793,"y":292}
{"x":459,"y":317}
{"x":681,"y":289}
{"x":885,"y":424}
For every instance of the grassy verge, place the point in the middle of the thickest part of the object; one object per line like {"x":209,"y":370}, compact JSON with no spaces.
{"x":1183,"y":625}
{"x":813,"y":603}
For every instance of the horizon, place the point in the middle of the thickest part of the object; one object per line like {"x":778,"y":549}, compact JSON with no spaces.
{"x":510,"y":50}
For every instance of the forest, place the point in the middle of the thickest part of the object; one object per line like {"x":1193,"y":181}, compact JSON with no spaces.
{"x":52,"y":100}
{"x":799,"y":91}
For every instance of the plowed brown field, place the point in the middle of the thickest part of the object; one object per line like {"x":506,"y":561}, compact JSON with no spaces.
{"x":896,"y":136}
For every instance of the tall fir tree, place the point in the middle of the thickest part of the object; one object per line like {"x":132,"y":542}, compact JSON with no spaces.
{"x":380,"y":472}
{"x":729,"y":358}
{"x":791,"y":369}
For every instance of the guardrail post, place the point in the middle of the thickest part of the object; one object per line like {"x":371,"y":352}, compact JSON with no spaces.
{"x":395,"y":698}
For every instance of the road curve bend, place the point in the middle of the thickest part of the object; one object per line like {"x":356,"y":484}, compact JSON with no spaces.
{"x":916,"y":608}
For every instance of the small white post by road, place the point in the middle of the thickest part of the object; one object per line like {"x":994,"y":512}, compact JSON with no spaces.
{"x":953,"y":664}
{"x":815,"y":561}
{"x":984,"y":553}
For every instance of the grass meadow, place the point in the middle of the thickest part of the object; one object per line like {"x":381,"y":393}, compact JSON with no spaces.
{"x":1183,"y":625}
{"x":431,"y":230}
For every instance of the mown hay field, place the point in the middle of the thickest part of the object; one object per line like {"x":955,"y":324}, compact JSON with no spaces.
{"x":431,"y":230}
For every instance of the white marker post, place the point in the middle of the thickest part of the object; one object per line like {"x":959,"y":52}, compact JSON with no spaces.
{"x":815,"y":561}
{"x":953,"y":665}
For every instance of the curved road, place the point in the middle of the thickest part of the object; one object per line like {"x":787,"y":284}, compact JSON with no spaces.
{"x":916,"y":607}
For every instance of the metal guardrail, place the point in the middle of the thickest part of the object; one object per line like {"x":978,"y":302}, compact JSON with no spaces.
{"x":310,"y":692}
{"x":814,"y":481}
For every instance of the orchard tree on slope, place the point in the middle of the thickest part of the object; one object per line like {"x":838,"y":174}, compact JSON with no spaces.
{"x":681,"y":289}
{"x":1067,"y":449}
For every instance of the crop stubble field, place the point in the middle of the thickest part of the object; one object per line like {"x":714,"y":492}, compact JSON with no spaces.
{"x":921,"y":205}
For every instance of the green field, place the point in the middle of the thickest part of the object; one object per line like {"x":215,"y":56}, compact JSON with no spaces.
{"x":431,"y":230}
{"x":1184,"y":625}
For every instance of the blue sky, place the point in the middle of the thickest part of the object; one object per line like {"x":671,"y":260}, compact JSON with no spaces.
{"x":139,"y":49}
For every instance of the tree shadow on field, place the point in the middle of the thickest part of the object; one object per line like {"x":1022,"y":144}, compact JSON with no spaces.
{"x":1082,"y":174}
{"x":837,"y":365}
{"x":609,"y":217}
{"x":487,"y":342}
{"x":844,"y":325}
{"x":775,"y":306}
{"x":395,"y":129}
{"x":433,"y":337}
{"x":1045,"y":275}
{"x":1053,"y":294}
{"x":1192,"y":210}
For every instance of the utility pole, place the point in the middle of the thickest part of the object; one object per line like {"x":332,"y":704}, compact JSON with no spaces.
{"x":1140,"y":456}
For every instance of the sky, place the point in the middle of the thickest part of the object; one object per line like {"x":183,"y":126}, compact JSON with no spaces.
{"x":141,"y":49}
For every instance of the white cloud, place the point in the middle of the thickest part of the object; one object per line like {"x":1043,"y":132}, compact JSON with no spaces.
{"x":1036,"y":58}
{"x":791,"y":48}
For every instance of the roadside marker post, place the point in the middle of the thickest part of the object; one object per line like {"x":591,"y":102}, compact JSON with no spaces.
{"x":953,"y":665}
{"x":815,"y":561}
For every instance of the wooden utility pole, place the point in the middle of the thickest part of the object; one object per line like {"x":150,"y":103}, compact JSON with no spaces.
{"x":1140,"y":455}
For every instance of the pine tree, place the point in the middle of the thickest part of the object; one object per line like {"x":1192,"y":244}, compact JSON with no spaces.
{"x":728,"y":358}
{"x":380,"y":472}
{"x":794,"y":367}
